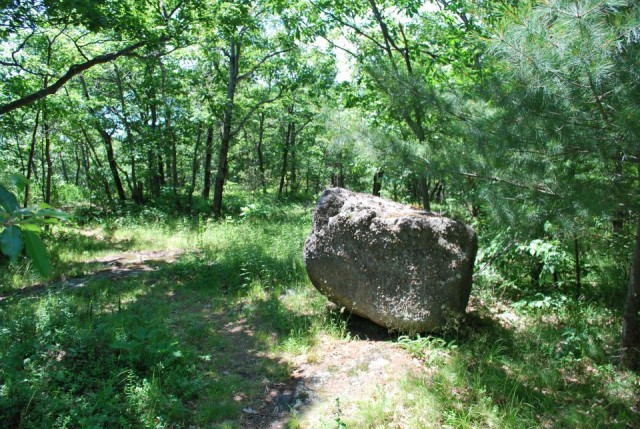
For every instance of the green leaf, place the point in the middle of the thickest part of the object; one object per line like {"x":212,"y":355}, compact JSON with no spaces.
{"x":7,"y":200}
{"x":19,"y":181}
{"x":53,"y":213}
{"x":11,"y":242}
{"x":28,"y":226}
{"x":37,"y":252}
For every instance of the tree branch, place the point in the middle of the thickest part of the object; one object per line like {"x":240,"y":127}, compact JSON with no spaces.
{"x":253,"y":109}
{"x":74,"y":70}
{"x":262,"y":61}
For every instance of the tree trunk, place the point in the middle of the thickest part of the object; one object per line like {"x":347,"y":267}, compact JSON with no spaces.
{"x":424,"y":192}
{"x":154,"y":157}
{"x":63,"y":165}
{"x":108,"y":145}
{"x":630,"y":343}
{"x":137,"y":194}
{"x":293,"y":177}
{"x":226,"y":135}
{"x":92,"y":151}
{"x":206,"y":188}
{"x":173,"y":143}
{"x":113,"y":165}
{"x":576,"y":250}
{"x":377,"y":183}
{"x":48,"y":174}
{"x":30,"y":161}
{"x":77,"y":159}
{"x":285,"y":158}
{"x":260,"y":154}
{"x":194,"y":168}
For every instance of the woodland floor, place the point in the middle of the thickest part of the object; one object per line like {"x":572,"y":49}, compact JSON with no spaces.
{"x":366,"y":366}
{"x":240,"y":339}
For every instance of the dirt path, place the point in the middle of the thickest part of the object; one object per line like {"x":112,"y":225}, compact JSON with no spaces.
{"x":112,"y":267}
{"x":331,"y":382}
{"x":326,"y":384}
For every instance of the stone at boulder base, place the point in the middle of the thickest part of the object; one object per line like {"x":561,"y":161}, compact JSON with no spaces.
{"x":402,"y":268}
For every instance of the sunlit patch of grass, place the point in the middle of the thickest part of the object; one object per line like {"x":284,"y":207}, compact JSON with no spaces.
{"x":544,"y":371}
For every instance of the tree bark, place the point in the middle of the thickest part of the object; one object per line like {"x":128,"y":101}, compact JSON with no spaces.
{"x":30,"y":161}
{"x":92,"y":151}
{"x":226,"y":134}
{"x":194,"y":168}
{"x":424,"y":192}
{"x":137,"y":194}
{"x":48,"y":176}
{"x":63,"y":166}
{"x":76,"y":180}
{"x":173,"y":143}
{"x":154,"y":157}
{"x":108,"y":145}
{"x":293,"y":175}
{"x":630,"y":342}
{"x":208,"y":156}
{"x":261,"y":118}
{"x":285,"y":158}
{"x":576,"y":250}
{"x":377,"y":183}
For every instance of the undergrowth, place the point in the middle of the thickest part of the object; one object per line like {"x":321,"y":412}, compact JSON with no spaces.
{"x":191,"y":343}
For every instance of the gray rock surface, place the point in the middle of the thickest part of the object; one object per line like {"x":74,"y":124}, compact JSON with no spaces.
{"x":402,"y":268}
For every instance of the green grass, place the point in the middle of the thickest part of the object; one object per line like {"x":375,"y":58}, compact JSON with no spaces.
{"x":191,"y":343}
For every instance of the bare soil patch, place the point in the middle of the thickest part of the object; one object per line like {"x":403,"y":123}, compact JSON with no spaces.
{"x":112,"y":267}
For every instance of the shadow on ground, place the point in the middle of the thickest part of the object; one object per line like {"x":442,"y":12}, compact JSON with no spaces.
{"x":148,"y":344}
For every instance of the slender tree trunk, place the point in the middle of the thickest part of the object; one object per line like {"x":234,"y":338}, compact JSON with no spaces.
{"x":63,"y":165}
{"x":377,"y":183}
{"x":108,"y":145}
{"x":30,"y":161}
{"x":293,"y":177}
{"x":208,"y":156}
{"x":154,"y":158}
{"x":48,"y":173}
{"x":136,"y":188}
{"x":76,"y":180}
{"x":260,"y":154}
{"x":173,"y":143}
{"x":194,"y":168}
{"x":19,"y":154}
{"x":576,"y":250}
{"x":424,"y":192}
{"x":113,"y":165}
{"x":92,"y":151}
{"x":630,"y":343}
{"x":306,"y":176}
{"x":226,"y":135}
{"x":285,"y":158}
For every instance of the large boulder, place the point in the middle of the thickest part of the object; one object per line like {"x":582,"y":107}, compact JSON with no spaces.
{"x":402,"y":268}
